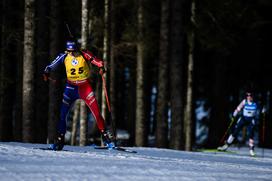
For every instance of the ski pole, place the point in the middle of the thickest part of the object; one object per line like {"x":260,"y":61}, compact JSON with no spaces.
{"x":263,"y":135}
{"x":105,"y":91}
{"x":73,"y":38}
{"x":222,"y":139}
{"x":108,"y":104}
{"x":69,"y":31}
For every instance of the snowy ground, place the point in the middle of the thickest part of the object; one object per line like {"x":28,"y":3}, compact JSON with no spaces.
{"x":19,"y":161}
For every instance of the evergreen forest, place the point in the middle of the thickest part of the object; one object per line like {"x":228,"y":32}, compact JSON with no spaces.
{"x":175,"y":69}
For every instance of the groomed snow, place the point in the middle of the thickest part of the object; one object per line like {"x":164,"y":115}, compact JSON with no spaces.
{"x":19,"y":161}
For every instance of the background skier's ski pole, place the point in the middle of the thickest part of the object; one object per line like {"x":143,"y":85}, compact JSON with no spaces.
{"x":226,"y":132}
{"x":263,"y":131}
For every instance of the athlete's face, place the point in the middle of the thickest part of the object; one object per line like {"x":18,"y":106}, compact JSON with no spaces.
{"x":249,"y":97}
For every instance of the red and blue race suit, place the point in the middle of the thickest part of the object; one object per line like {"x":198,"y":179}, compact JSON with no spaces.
{"x":77,"y":85}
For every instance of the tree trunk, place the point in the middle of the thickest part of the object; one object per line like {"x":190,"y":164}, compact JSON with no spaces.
{"x":140,"y":135}
{"x":219,"y":115}
{"x":163,"y":78}
{"x":6,"y":79}
{"x":176,"y":74}
{"x":106,"y":51}
{"x":17,"y":106}
{"x":112,"y":70}
{"x":188,"y":113}
{"x":43,"y":59}
{"x":83,"y":108}
{"x":96,"y":84}
{"x":74,"y":122}
{"x":83,"y":124}
{"x":54,"y":89}
{"x":28,"y":72}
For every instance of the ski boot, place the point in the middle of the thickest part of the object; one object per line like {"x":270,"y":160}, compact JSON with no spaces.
{"x":107,"y":138}
{"x":227,"y":143}
{"x":251,"y":151}
{"x":58,"y":143}
{"x":223,"y":148}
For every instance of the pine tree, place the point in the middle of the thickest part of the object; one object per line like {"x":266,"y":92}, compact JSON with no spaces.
{"x":83,"y":108}
{"x":177,"y":74}
{"x":28,"y":72}
{"x":6,"y":79}
{"x":163,"y":78}
{"x":188,"y":113}
{"x":140,"y":133}
{"x":42,"y":57}
{"x":55,"y":94}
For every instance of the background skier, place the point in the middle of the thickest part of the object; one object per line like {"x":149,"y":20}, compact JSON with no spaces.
{"x":248,"y":117}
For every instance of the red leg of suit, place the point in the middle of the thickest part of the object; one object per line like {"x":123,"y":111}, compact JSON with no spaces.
{"x":86,"y":93}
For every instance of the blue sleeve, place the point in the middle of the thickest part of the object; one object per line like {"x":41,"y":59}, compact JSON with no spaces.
{"x":55,"y":63}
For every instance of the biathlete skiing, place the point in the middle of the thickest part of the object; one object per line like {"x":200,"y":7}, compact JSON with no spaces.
{"x":248,"y":118}
{"x":77,"y":86}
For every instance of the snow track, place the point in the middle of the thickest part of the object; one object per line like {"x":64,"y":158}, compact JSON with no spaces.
{"x":20,"y":161}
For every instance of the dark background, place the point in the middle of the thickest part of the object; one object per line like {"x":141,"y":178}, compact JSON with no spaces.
{"x":232,"y":55}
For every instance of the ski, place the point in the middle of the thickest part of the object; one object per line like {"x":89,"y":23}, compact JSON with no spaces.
{"x":125,"y":150}
{"x":215,"y":151}
{"x":49,"y":149}
{"x":115,"y":148}
{"x":95,"y":147}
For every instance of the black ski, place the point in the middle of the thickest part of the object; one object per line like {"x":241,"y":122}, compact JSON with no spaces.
{"x":95,"y":147}
{"x":49,"y":149}
{"x":215,"y":151}
{"x":115,"y":148}
{"x":125,"y":150}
